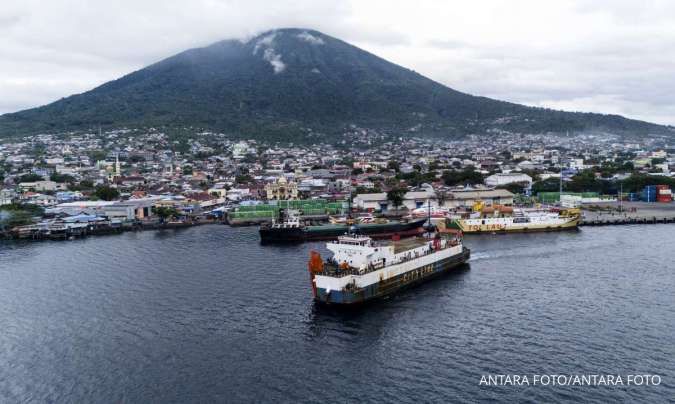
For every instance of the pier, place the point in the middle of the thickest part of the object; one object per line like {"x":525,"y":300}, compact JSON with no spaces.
{"x":613,"y":213}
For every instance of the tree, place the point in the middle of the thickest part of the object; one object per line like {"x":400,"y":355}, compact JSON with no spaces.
{"x":98,"y":155}
{"x":466,"y":176}
{"x":514,"y":187}
{"x":243,"y":179}
{"x":441,"y":197}
{"x":10,"y":219}
{"x":415,"y":178}
{"x":364,"y":190}
{"x":15,"y":214}
{"x":548,"y":185}
{"x":393,"y":165}
{"x":61,"y":178}
{"x":106,"y":193}
{"x":396,"y":195}
{"x":165,"y":212}
{"x":29,"y":178}
{"x":584,"y":181}
{"x":636,"y":182}
{"x":357,"y":171}
{"x":81,"y":186}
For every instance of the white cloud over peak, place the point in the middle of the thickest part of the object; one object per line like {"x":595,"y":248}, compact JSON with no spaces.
{"x":314,"y":40}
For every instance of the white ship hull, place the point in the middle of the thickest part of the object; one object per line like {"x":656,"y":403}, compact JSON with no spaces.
{"x":545,"y":222}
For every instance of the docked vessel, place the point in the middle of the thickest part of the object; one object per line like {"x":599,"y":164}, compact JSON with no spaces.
{"x":362,"y":269}
{"x":290,"y":229}
{"x":430,"y":211}
{"x":503,"y":219}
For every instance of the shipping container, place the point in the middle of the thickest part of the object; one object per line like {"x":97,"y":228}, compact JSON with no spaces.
{"x":663,"y":193}
{"x":648,"y":194}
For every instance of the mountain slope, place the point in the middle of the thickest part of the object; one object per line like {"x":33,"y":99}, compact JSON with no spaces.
{"x":289,"y":81}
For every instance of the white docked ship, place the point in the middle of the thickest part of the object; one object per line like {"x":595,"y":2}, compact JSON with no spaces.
{"x":506,"y":219}
{"x":361,"y":269}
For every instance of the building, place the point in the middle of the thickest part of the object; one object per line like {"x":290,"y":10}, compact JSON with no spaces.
{"x":379,"y":202}
{"x":467,"y":198}
{"x":281,"y":189}
{"x":371,"y":202}
{"x":500,"y":179}
{"x":41,"y":186}
{"x":7,"y":196}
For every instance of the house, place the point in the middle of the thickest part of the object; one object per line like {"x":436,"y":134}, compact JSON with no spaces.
{"x":41,"y":186}
{"x":418,"y":199}
{"x":236,"y":194}
{"x":130,"y":181}
{"x":219,"y":192}
{"x":371,"y":202}
{"x":529,"y":165}
{"x":42,"y":199}
{"x":499,"y":179}
{"x":379,"y":202}
{"x":7,"y":196}
{"x":467,"y":198}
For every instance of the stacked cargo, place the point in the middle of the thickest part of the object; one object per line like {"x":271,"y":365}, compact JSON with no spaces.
{"x":311,"y":208}
{"x":313,"y":212}
{"x":257,"y":208}
{"x":302,"y":204}
{"x":252,"y":215}
{"x":663,"y":193}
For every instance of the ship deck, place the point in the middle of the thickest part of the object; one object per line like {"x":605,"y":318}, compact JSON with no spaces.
{"x":407,"y":244}
{"x":331,"y":268}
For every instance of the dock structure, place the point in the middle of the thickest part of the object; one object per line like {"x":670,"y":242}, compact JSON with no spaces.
{"x":628,"y":213}
{"x":626,"y":220}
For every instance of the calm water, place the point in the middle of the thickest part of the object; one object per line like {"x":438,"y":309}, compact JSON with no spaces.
{"x":207,"y":314}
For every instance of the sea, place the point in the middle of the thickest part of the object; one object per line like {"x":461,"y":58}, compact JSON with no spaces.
{"x":207,"y":314}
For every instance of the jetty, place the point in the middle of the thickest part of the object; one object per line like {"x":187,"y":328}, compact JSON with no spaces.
{"x":624,"y":213}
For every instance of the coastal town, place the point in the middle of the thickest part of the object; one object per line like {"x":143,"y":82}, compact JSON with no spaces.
{"x":58,"y":186}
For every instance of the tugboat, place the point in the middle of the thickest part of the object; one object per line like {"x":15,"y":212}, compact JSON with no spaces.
{"x":290,"y":229}
{"x":361,"y":269}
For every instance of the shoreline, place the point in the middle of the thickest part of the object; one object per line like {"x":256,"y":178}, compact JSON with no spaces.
{"x":84,"y":232}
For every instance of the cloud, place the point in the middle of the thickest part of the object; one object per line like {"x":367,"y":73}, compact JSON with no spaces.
{"x":269,"y":54}
{"x":264,"y":42}
{"x":314,"y":40}
{"x":596,"y":55}
{"x":274,"y":58}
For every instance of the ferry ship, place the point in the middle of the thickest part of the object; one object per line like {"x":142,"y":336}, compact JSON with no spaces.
{"x":361,"y":269}
{"x":504,"y":219}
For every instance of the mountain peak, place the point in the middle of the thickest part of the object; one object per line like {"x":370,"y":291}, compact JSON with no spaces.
{"x":286,"y":82}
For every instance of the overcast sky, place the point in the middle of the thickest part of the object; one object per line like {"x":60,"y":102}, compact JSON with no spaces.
{"x":611,"y":56}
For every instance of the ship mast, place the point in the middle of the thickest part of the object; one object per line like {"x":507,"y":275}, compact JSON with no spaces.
{"x":561,"y":176}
